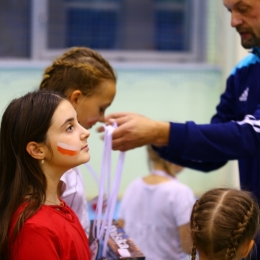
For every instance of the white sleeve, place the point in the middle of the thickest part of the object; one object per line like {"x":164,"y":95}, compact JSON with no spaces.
{"x":123,"y":204}
{"x":183,"y":204}
{"x":128,"y":195}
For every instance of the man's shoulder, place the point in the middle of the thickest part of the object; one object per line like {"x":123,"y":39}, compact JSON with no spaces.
{"x":248,"y":60}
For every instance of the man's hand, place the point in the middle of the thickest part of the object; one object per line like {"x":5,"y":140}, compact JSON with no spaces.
{"x":135,"y":130}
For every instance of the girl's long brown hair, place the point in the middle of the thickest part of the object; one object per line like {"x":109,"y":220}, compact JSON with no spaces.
{"x":21,"y":179}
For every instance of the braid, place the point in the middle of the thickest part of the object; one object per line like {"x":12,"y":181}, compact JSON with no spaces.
{"x":194,"y":228}
{"x":79,"y":68}
{"x":101,"y":60}
{"x":193,"y":251}
{"x":222,"y":220}
{"x":67,"y":64}
{"x":46,"y":76}
{"x":69,"y":53}
{"x":76,"y":53}
{"x":237,"y":235}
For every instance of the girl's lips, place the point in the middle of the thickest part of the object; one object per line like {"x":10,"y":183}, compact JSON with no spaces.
{"x":92,"y":122}
{"x":85,"y":148}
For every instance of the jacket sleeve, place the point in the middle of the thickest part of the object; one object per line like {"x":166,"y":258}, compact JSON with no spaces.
{"x":208,"y":147}
{"x":193,"y":164}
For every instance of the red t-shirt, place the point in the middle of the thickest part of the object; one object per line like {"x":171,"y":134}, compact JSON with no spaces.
{"x":54,"y":232}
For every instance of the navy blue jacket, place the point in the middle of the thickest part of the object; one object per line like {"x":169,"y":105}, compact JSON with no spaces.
{"x":234,"y":131}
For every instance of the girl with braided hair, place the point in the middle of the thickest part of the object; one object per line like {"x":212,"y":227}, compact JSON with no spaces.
{"x":155,"y":211}
{"x":89,"y":82}
{"x":224,"y":223}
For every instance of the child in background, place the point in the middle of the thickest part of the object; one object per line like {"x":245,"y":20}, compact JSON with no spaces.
{"x":155,"y":211}
{"x":89,"y":82}
{"x":40,"y":139}
{"x":224,"y":223}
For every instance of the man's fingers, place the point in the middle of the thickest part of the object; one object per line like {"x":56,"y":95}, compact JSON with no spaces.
{"x":120,"y":147}
{"x":120,"y":121}
{"x":100,"y":129}
{"x":116,"y":115}
{"x":118,"y":135}
{"x":102,"y":137}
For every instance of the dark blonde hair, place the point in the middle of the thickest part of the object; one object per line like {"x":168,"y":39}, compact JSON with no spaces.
{"x":79,"y":68}
{"x":221,"y":221}
{"x":154,"y":157}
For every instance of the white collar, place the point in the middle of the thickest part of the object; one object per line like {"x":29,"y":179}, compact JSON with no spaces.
{"x":162,"y":173}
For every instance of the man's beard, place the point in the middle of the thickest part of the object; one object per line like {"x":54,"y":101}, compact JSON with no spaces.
{"x":251,"y":42}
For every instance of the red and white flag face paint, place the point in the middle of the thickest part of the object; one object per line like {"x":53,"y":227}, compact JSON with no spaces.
{"x":67,"y":149}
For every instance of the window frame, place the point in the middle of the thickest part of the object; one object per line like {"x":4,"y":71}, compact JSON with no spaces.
{"x":39,"y":34}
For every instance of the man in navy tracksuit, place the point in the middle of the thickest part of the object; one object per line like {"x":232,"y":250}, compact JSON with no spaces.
{"x":234,"y":131}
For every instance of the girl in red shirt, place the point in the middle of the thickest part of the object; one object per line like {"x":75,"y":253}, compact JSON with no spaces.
{"x":40,"y":139}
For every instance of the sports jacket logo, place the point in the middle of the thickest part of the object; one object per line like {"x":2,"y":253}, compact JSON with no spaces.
{"x":244,"y":95}
{"x":251,"y":120}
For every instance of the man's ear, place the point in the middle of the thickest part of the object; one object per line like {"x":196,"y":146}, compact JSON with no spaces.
{"x":74,"y":97}
{"x":35,"y":150}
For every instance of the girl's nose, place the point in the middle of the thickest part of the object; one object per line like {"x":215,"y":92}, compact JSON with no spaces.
{"x":102,"y":118}
{"x":85,"y":133}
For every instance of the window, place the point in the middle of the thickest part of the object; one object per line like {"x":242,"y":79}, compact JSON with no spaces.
{"x":120,"y":29}
{"x":15,"y":28}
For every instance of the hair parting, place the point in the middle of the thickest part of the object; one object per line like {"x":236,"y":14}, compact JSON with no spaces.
{"x":222,"y":221}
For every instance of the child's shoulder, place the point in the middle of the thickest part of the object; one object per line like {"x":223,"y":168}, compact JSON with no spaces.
{"x":176,"y":188}
{"x":178,"y":184}
{"x":135,"y":183}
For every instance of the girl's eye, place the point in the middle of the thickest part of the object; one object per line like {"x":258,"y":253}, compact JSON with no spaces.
{"x":69,"y":128}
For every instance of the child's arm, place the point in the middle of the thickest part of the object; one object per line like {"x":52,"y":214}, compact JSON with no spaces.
{"x":121,"y":223}
{"x":185,"y":238}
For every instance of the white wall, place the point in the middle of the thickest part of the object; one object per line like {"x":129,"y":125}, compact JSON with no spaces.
{"x":165,"y":92}
{"x":168,"y":94}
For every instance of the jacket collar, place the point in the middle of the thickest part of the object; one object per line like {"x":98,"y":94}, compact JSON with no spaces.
{"x":256,"y":51}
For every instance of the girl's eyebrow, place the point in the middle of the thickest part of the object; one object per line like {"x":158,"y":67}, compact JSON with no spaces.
{"x":68,"y":120}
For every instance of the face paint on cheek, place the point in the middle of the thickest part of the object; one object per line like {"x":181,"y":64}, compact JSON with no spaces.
{"x":67,"y":149}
